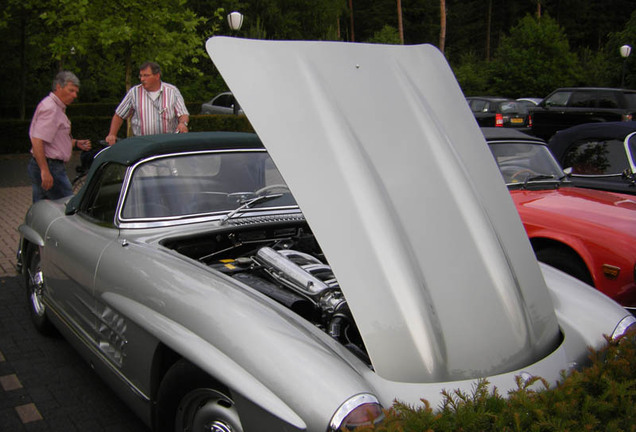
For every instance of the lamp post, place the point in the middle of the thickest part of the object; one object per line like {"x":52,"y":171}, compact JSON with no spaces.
{"x":625,"y":51}
{"x":235,"y":20}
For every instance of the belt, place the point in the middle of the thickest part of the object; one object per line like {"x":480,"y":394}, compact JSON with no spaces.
{"x":51,"y":160}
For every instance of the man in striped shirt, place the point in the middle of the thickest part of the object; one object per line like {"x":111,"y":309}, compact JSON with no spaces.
{"x":154,"y":107}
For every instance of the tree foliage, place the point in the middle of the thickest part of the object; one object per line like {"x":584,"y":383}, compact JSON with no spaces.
{"x":495,"y":46}
{"x":533,"y":60}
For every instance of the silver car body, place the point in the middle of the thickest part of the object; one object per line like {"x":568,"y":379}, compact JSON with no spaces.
{"x":223,"y":103}
{"x":399,"y":188}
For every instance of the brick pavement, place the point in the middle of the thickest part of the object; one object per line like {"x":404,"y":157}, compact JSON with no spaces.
{"x":14,"y":202}
{"x":15,"y":199}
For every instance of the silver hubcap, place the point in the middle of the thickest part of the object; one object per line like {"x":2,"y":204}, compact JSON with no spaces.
{"x":36,"y":282}
{"x":206,"y":410}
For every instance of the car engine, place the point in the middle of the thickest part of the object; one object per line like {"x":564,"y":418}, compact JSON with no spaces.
{"x":287,"y":265}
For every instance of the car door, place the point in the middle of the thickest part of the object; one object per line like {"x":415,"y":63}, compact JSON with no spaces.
{"x":74,"y":245}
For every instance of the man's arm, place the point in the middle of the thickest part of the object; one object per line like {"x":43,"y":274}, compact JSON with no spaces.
{"x":115,"y":124}
{"x":40,"y":158}
{"x":182,"y":127}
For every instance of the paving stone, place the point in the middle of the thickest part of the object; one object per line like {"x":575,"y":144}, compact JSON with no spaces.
{"x":28,"y":413}
{"x":10,"y":382}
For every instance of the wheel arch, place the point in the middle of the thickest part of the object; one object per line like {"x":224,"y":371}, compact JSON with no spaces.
{"x":177,"y":342}
{"x":542,"y":243}
{"x":28,"y":238}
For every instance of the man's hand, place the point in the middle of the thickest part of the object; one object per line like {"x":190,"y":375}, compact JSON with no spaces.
{"x":111,"y":139}
{"x":182,"y":128}
{"x":47,"y":179}
{"x":83,"y":144}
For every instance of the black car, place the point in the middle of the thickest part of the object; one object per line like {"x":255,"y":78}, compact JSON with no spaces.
{"x":499,"y":112}
{"x":571,"y":106}
{"x":601,"y":155}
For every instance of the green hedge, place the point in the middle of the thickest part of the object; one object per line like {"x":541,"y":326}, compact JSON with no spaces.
{"x":103,"y":109}
{"x":15,"y":133}
{"x":601,"y":397}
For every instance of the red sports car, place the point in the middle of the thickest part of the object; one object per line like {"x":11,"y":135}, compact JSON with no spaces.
{"x":586,"y":233}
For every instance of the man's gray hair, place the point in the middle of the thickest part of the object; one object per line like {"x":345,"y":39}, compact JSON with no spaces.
{"x":65,"y":77}
{"x":154,"y":67}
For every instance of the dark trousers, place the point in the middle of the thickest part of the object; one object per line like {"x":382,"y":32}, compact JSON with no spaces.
{"x":61,"y":184}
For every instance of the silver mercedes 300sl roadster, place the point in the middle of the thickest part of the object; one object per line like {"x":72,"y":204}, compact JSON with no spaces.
{"x":361,"y":249}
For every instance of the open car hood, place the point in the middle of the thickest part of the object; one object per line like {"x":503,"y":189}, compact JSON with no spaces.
{"x":395,"y":179}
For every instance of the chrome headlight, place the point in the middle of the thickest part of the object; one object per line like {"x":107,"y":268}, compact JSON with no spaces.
{"x":627,"y":324}
{"x":358,"y":410}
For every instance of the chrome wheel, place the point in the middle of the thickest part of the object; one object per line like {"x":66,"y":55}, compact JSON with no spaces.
{"x":189,"y":400}
{"x":35,"y":287}
{"x":34,"y":280}
{"x":206,"y":410}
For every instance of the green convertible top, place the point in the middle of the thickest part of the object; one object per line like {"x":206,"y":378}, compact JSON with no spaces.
{"x":131,"y":150}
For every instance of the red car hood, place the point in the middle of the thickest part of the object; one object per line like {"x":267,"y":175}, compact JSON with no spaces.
{"x":585,"y":206}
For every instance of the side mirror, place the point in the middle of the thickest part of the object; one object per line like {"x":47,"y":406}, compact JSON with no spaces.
{"x":568,"y":172}
{"x":628,"y":175}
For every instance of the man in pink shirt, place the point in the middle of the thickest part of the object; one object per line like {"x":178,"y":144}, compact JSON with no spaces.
{"x":154,"y":107}
{"x":51,"y":140}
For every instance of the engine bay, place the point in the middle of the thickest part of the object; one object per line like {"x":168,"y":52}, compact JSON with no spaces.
{"x":285,"y":263}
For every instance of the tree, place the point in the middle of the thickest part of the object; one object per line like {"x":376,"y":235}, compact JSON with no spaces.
{"x":297,"y":19}
{"x":129,"y":32}
{"x":442,"y":25}
{"x":23,"y":37}
{"x":533,"y":60}
{"x":388,"y":35}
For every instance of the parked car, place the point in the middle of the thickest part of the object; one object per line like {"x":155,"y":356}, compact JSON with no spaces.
{"x":600,"y":155}
{"x":223,"y":103}
{"x":499,"y":112}
{"x":586,"y":233}
{"x":303,"y":279}
{"x":571,"y":106}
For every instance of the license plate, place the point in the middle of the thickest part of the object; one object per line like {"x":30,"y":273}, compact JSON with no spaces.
{"x":516,"y":120}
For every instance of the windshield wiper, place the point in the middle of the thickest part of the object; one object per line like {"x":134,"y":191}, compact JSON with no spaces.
{"x":249,"y":203}
{"x":536,"y":178}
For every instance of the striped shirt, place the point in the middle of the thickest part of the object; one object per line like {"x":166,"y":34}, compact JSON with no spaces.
{"x":150,"y":116}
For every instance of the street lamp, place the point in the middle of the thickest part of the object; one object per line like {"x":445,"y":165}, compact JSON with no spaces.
{"x":235,"y":20}
{"x":625,"y":51}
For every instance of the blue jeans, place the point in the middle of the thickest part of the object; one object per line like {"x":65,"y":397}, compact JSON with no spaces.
{"x":61,"y":184}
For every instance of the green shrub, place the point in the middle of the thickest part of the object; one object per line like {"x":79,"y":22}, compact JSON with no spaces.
{"x":15,"y":133}
{"x":601,"y":397}
{"x":102,"y":109}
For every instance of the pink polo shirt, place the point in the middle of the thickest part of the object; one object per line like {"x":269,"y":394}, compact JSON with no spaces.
{"x":51,"y":125}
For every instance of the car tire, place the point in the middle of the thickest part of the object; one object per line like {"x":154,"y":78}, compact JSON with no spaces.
{"x":566,"y":261}
{"x":34,"y":282}
{"x":189,"y":399}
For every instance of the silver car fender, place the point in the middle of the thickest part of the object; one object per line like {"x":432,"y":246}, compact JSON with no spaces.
{"x":204,"y":355}
{"x":581,"y":311}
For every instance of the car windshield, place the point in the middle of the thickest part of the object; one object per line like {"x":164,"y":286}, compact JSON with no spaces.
{"x":512,"y":107}
{"x":181,"y":186}
{"x":597,"y":157}
{"x":558,"y":99}
{"x":523,"y":162}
